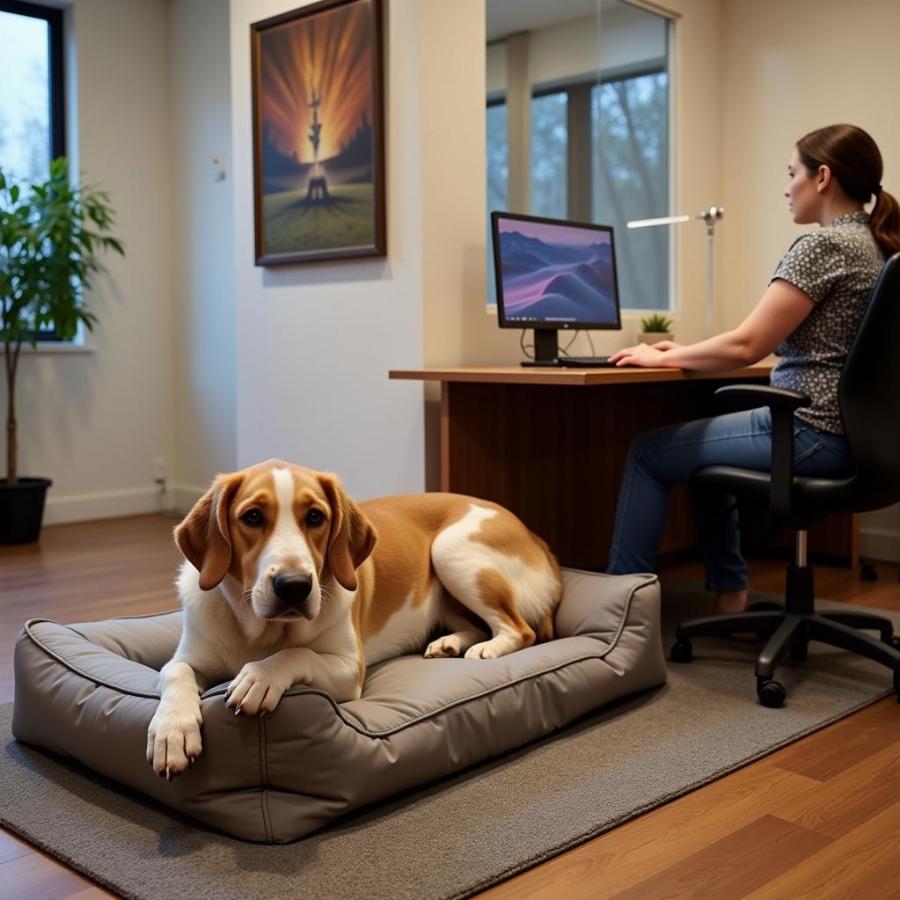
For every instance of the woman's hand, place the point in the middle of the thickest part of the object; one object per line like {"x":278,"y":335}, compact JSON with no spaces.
{"x":651,"y":356}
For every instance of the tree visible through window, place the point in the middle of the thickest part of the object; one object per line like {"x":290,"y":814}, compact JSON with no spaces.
{"x":630,"y":179}
{"x":549,"y":143}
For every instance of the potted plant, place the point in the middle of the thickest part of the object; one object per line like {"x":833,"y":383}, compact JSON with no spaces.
{"x":50,"y":235}
{"x":655,"y":328}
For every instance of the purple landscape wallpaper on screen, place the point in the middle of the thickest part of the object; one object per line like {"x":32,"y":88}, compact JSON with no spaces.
{"x":556,"y":273}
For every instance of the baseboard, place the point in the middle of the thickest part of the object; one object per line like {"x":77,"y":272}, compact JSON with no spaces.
{"x":102,"y":505}
{"x":112,"y":504}
{"x":879,"y":543}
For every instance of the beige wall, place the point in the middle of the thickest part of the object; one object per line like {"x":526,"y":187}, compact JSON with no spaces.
{"x":788,"y":68}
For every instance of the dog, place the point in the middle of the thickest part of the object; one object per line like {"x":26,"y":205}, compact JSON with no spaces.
{"x":286,"y":579}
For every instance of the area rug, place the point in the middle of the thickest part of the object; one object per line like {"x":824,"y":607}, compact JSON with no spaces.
{"x":467,"y":832}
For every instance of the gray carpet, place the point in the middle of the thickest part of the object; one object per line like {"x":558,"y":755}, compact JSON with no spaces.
{"x":469,"y":831}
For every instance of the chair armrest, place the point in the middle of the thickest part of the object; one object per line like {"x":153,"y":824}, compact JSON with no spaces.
{"x":747,"y":396}
{"x":782,"y":403}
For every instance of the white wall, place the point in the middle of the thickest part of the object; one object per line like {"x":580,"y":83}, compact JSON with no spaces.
{"x":315,"y":342}
{"x":788,"y":68}
{"x":204,"y":399}
{"x":94,"y":422}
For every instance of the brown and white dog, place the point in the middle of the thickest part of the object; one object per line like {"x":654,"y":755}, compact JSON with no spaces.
{"x":288,"y":580}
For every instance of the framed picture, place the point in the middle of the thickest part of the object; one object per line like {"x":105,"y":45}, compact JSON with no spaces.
{"x":318,"y":164}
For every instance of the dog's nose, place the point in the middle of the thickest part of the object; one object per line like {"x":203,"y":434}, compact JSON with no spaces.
{"x":292,"y":587}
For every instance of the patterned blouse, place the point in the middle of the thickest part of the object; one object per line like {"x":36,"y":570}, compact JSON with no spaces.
{"x":837,"y":267}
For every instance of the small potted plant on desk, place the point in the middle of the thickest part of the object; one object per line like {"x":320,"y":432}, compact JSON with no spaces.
{"x":655,"y":328}
{"x":50,"y":233}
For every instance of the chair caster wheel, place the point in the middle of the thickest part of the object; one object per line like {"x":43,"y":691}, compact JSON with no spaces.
{"x":770,"y":693}
{"x":893,"y":641}
{"x":868,"y":572}
{"x":682,"y":652}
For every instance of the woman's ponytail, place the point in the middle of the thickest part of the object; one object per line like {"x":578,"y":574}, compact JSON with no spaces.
{"x":884,"y":220}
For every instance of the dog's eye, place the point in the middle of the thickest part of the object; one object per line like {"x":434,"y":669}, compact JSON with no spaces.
{"x":252,"y":517}
{"x":315,"y":517}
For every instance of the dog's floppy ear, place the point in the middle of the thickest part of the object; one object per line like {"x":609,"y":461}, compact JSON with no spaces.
{"x":204,"y":536}
{"x":352,"y":535}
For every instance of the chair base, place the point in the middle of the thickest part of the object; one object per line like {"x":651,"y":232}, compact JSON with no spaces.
{"x":790,"y":629}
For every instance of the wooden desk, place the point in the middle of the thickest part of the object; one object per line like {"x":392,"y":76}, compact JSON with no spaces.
{"x":551,"y":444}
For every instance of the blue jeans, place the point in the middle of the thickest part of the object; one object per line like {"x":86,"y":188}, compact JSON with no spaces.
{"x":667,"y":456}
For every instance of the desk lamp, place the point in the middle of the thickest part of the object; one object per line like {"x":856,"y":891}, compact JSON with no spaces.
{"x":710,"y":216}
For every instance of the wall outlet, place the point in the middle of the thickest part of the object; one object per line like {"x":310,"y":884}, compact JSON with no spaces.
{"x":159,"y":470}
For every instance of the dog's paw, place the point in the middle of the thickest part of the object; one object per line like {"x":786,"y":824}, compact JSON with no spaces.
{"x":256,"y":689}
{"x":448,"y":646}
{"x":173,"y":741}
{"x":486,"y":650}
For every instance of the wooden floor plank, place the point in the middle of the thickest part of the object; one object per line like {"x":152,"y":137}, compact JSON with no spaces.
{"x":738,"y":862}
{"x":848,"y":800}
{"x":39,"y":877}
{"x":865,"y":863}
{"x":11,"y":847}
{"x":855,"y":738}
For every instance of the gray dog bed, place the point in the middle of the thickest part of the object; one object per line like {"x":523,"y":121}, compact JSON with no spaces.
{"x":88,"y":692}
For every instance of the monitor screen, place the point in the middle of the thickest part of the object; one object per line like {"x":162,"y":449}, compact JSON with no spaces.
{"x":554,"y":274}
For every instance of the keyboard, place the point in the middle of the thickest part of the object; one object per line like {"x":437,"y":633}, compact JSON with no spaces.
{"x":586,"y":362}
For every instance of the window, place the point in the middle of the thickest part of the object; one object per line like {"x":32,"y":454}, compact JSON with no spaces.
{"x":32,"y":130}
{"x":599,"y":140}
{"x":32,"y":127}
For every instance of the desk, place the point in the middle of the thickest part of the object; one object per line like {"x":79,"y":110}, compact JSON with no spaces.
{"x":551,"y":444}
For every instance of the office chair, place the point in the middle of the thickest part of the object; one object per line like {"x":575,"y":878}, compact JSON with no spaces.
{"x":869,"y":396}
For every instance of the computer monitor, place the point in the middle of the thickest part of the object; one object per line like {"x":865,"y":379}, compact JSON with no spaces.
{"x":552,"y":275}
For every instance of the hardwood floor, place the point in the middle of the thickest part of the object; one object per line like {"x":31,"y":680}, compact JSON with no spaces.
{"x":820,"y":817}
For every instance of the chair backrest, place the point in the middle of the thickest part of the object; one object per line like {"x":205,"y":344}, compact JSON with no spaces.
{"x":869,"y":394}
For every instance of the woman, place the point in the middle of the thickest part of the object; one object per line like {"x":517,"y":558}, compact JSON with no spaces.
{"x":808,"y":315}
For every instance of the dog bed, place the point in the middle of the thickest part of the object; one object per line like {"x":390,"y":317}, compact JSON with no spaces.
{"x":88,"y":692}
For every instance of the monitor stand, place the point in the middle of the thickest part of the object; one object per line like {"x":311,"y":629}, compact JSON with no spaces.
{"x":546,"y":349}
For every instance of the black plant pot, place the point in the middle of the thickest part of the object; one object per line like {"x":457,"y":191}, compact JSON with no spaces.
{"x":22,"y":510}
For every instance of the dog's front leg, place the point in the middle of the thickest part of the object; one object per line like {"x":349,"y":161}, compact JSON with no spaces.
{"x":259,"y":685}
{"x":173,"y":738}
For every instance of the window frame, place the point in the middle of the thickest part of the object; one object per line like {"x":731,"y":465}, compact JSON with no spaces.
{"x":54,"y":17}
